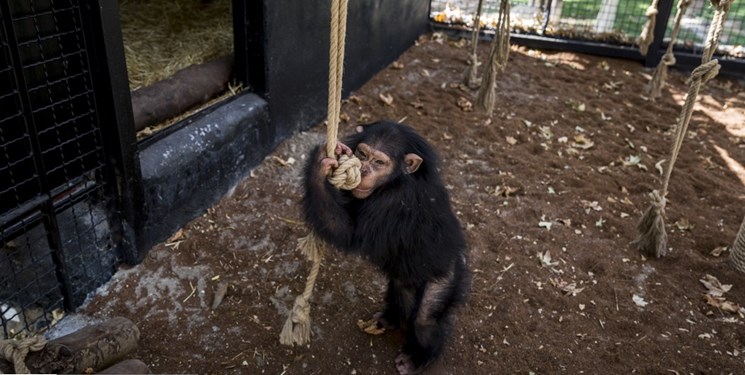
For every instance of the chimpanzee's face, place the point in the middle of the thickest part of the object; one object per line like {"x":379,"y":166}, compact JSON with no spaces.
{"x":377,"y":168}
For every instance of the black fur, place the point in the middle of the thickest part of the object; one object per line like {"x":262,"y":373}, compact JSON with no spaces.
{"x":406,"y":228}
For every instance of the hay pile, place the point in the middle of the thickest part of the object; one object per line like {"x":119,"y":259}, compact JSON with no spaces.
{"x":164,"y":36}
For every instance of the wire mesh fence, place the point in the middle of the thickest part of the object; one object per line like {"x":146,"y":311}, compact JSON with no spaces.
{"x":57,"y":216}
{"x":609,"y":21}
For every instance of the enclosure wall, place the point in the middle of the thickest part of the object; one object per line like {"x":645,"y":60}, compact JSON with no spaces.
{"x":295,"y":48}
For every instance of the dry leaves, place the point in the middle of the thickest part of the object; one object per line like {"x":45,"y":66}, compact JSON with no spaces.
{"x":715,"y":295}
{"x":582,"y":142}
{"x":370,"y":327}
{"x":464,"y":104}
{"x":502,"y":191}
{"x":569,"y":288}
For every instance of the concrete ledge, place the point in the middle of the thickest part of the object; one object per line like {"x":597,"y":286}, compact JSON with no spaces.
{"x":191,"y":168}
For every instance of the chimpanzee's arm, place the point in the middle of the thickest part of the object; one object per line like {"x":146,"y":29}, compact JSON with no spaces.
{"x":324,"y":204}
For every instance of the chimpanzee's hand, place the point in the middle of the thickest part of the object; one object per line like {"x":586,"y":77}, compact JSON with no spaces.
{"x":327,"y":164}
{"x":341,"y":148}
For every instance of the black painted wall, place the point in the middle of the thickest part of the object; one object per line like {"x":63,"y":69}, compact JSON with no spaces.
{"x":288,"y":63}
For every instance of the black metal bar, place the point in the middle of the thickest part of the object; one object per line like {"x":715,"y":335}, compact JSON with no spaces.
{"x":248,"y":39}
{"x":47,"y":207}
{"x":102,"y":30}
{"x":549,"y":43}
{"x":684,"y":60}
{"x":655,"y":52}
{"x":546,"y":17}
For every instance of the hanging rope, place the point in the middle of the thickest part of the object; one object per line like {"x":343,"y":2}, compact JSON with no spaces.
{"x":657,"y":83}
{"x":647,"y":35}
{"x":737,"y":254}
{"x":15,"y":351}
{"x":498,"y":56}
{"x":652,"y":240}
{"x":346,"y":176}
{"x":471,"y":79}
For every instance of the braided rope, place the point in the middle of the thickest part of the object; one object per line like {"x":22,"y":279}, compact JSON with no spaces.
{"x":15,"y":351}
{"x":647,"y":35}
{"x":498,"y":56}
{"x":737,"y":254}
{"x":471,"y":79}
{"x":652,"y":236}
{"x":657,"y":83}
{"x":296,"y":329}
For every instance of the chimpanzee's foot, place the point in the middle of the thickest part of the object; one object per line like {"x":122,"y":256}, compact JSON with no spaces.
{"x":405,"y":365}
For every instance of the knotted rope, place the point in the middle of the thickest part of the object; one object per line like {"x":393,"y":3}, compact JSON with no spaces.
{"x":346,"y":176}
{"x":498,"y":56}
{"x":652,"y":239}
{"x":737,"y":255}
{"x":15,"y":351}
{"x":647,"y":35}
{"x":471,"y":80}
{"x":657,"y":83}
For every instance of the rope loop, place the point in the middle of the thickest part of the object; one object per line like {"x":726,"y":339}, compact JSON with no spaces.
{"x":15,"y":351}
{"x":651,"y":11}
{"x":668,"y":59}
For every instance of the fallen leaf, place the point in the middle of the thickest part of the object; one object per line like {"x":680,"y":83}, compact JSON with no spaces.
{"x":719,"y":250}
{"x":179,"y":235}
{"x":684,"y":224}
{"x":386,"y":98}
{"x":546,"y":260}
{"x":714,"y":286}
{"x":582,"y":142}
{"x":397,"y":65}
{"x":464,"y":104}
{"x":370,"y":327}
{"x":511,"y":140}
{"x":567,"y":287}
{"x":545,"y":224}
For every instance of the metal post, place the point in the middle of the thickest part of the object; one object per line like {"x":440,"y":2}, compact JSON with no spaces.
{"x":655,"y":52}
{"x":249,"y":34}
{"x":103,"y":34}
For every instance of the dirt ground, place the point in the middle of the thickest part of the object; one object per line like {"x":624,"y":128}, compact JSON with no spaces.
{"x":548,"y":191}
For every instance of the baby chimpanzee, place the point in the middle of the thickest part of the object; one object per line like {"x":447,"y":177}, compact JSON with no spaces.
{"x":400,"y":219}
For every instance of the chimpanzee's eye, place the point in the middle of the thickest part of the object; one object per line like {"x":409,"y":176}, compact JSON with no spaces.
{"x":361,"y":155}
{"x":379,"y":162}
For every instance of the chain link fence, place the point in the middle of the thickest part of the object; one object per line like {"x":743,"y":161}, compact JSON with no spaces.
{"x":617,"y":22}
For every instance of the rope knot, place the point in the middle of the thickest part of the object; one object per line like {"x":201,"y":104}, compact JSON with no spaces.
{"x":668,"y":59}
{"x":657,"y":200}
{"x":705,"y":72}
{"x":347,"y":175}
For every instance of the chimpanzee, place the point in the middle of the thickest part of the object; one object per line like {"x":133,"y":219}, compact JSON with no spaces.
{"x":400,"y":219}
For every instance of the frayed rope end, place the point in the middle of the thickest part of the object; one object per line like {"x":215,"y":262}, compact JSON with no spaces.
{"x":652,"y":240}
{"x":297,"y":326}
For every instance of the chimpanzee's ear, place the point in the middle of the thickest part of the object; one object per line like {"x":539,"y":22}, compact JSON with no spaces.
{"x":412,"y":161}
